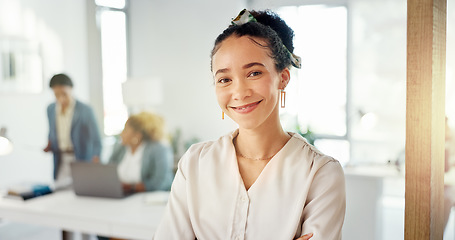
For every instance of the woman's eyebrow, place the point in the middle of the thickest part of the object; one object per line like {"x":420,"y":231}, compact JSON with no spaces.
{"x":246,"y":66}
{"x":252,"y":64}
{"x":223,"y":70}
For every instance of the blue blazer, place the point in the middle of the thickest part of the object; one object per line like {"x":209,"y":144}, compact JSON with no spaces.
{"x":85,"y":135}
{"x":157,"y":164}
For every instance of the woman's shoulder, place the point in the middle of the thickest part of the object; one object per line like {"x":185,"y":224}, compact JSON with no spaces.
{"x":51,"y":110}
{"x":51,"y":106}
{"x":212,"y":150}
{"x":316,"y":158}
{"x":156,"y":145}
{"x":204,"y":147}
{"x":82,"y":107}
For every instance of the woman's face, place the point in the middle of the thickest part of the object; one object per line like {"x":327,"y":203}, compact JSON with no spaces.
{"x":130,"y":137}
{"x":63,"y":94}
{"x":247,"y":82}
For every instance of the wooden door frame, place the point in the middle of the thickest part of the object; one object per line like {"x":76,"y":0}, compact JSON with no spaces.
{"x":425,"y":119}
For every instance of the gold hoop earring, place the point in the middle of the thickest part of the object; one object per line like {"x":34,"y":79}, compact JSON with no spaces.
{"x":222,"y":115}
{"x":283,"y":98}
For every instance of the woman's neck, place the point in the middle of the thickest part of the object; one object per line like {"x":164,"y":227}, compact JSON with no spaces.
{"x":262,"y":142}
{"x":65,"y":107}
{"x":134,"y":147}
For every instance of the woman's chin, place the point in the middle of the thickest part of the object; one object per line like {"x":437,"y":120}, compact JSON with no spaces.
{"x":248,"y":124}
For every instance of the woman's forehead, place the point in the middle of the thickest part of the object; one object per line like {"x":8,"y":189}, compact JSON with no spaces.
{"x":240,"y":50}
{"x":61,"y":88}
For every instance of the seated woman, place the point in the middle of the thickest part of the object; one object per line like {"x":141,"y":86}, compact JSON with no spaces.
{"x":145,"y":163}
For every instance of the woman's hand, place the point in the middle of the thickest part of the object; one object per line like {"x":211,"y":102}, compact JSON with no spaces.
{"x":127,"y":188}
{"x":96,"y":159}
{"x":132,"y":188}
{"x":48,"y":147}
{"x":139,"y":187}
{"x":305,"y":237}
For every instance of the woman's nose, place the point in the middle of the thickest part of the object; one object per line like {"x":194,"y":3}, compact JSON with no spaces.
{"x":241,"y":90}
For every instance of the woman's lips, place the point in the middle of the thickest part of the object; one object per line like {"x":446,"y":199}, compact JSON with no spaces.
{"x":246,"y":108}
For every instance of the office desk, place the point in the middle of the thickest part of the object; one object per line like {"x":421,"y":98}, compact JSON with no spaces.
{"x":134,"y":217}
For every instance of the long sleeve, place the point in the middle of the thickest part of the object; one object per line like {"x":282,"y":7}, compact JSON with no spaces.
{"x":52,"y":129}
{"x":52,"y":137}
{"x":157,"y":167}
{"x":326,"y":203}
{"x":176,"y":222}
{"x":48,"y":111}
{"x":117,"y":153}
{"x":94,"y":137}
{"x":85,"y":134}
{"x":299,"y":191}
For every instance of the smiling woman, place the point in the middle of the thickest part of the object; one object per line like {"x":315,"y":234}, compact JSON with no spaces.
{"x":248,"y":83}
{"x":259,"y":175}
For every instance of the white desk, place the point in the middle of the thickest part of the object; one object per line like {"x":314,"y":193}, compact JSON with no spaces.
{"x":134,"y":217}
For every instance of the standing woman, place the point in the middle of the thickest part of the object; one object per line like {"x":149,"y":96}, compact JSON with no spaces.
{"x":73,"y":134}
{"x":144,"y":162}
{"x":258,"y":182}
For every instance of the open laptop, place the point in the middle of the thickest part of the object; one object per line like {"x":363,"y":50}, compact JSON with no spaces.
{"x":96,"y":180}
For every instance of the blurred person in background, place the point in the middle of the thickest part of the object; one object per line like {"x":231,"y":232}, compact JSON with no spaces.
{"x":73,"y":133}
{"x":145,"y":161}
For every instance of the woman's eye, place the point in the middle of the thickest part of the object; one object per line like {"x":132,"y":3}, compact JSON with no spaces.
{"x":254,"y":74}
{"x":223,"y":80}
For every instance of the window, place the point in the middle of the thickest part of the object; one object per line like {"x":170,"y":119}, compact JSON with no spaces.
{"x":112,"y":22}
{"x":119,"y":4}
{"x":317,"y":93}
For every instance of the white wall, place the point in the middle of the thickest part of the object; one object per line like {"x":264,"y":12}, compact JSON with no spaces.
{"x":169,"y":40}
{"x":60,"y":26}
{"x":377,"y":73}
{"x":172,"y":40}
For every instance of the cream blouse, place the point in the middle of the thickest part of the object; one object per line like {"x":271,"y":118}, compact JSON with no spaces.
{"x":64,"y":121}
{"x":299,"y":191}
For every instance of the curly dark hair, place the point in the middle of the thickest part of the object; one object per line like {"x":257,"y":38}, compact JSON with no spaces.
{"x":269,"y":27}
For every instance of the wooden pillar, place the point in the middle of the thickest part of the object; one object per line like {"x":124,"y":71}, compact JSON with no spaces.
{"x":425,"y":113}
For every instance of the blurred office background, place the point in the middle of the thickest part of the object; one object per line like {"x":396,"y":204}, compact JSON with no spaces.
{"x":349,"y":97}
